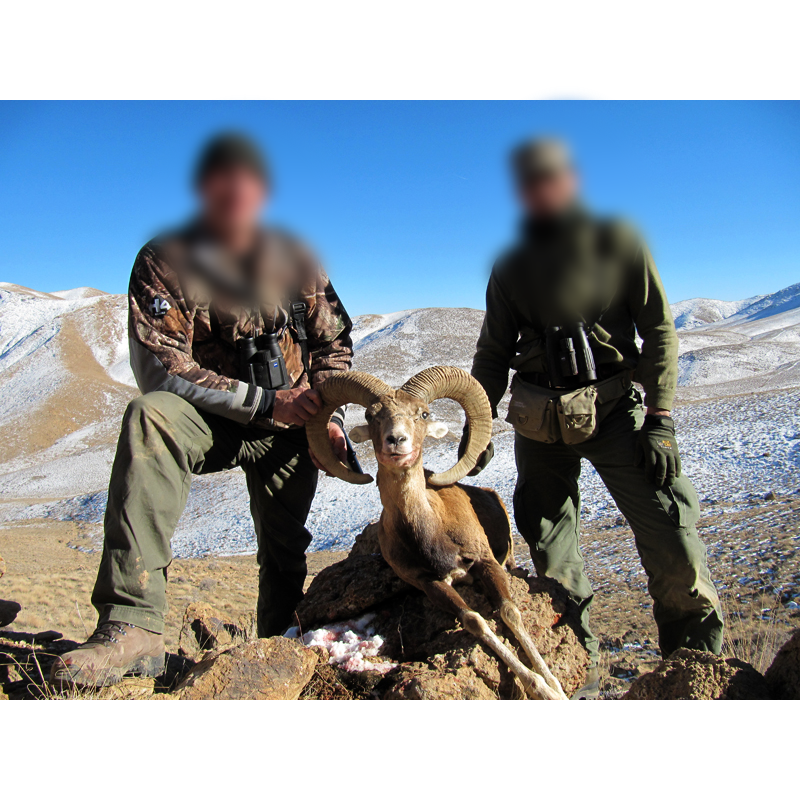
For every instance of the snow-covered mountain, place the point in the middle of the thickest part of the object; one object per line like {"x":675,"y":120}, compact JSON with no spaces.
{"x":753,"y":347}
{"x":701,"y":311}
{"x":65,"y":381}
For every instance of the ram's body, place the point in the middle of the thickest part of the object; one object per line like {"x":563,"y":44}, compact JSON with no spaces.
{"x":433,"y":531}
{"x":469,"y":524}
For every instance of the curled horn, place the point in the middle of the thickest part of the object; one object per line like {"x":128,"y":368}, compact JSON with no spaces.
{"x":436,"y":382}
{"x":338,"y":390}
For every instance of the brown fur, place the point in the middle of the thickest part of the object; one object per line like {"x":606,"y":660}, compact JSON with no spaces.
{"x":434,"y":536}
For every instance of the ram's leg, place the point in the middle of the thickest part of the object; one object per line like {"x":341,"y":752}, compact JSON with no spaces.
{"x":510,"y":614}
{"x":495,"y":582}
{"x":447,"y":598}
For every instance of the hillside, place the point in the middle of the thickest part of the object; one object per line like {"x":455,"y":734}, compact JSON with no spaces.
{"x":65,"y":381}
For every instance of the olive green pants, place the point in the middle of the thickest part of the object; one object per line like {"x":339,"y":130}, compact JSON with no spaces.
{"x":164,"y":441}
{"x":547,"y":507}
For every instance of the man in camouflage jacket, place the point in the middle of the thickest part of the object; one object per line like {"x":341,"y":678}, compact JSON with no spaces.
{"x":194,"y":294}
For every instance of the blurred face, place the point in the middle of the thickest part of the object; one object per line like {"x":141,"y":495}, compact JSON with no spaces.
{"x":549,"y":195}
{"x":232,"y":199}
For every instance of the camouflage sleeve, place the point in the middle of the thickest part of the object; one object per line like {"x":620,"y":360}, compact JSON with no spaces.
{"x":160,"y":328}
{"x":328,"y":326}
{"x":496,"y":343}
{"x":657,"y":369}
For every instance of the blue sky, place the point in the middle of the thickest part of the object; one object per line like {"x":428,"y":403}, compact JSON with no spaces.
{"x":407,"y":203}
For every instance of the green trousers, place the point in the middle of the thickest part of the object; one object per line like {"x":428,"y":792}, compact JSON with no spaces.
{"x":547,"y":507}
{"x":164,"y":441}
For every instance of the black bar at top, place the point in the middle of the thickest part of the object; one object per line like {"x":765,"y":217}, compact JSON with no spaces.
{"x":386,"y":92}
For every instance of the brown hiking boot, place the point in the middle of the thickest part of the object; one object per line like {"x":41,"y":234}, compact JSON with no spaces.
{"x":114,"y":650}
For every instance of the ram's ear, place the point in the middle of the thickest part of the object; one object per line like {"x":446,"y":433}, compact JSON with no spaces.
{"x":436,"y":430}
{"x":360,"y":434}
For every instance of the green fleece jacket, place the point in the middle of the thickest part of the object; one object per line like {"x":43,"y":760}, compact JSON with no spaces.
{"x":580,"y":268}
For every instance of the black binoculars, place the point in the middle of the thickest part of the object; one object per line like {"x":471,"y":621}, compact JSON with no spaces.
{"x":261,"y":362}
{"x":570,"y":362}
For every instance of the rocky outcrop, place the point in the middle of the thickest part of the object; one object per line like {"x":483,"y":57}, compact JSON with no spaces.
{"x":436,"y":657}
{"x":783,"y":676}
{"x":693,"y":675}
{"x":421,"y":682}
{"x":366,"y":542}
{"x":263,"y":669}
{"x":205,"y":628}
{"x":348,"y":589}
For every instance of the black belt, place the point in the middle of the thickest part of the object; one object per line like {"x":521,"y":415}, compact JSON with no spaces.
{"x":542,"y":379}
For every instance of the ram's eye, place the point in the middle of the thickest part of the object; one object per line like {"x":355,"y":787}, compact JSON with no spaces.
{"x":425,"y":415}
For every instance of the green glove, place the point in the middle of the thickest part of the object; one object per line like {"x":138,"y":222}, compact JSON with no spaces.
{"x":483,"y":459}
{"x":657,"y":450}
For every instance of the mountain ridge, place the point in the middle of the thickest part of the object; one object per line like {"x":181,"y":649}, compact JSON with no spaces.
{"x":65,"y":382}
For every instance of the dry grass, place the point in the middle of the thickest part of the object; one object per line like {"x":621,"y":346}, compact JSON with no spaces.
{"x":753,"y":631}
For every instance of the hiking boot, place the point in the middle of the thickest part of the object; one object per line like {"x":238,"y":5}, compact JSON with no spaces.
{"x":591,"y":688}
{"x":114,"y":650}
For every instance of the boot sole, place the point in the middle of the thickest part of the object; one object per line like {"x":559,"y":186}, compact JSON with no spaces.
{"x":590,"y":692}
{"x":146,"y":666}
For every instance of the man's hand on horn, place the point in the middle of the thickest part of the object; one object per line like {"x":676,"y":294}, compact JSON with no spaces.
{"x":296,"y":406}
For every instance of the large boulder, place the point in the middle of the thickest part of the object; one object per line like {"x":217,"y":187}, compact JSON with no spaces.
{"x":366,"y":543}
{"x":205,"y":628}
{"x":783,"y":676}
{"x":263,"y":669}
{"x":348,"y":589}
{"x":436,"y":657}
{"x":694,"y":675}
{"x":423,"y":682}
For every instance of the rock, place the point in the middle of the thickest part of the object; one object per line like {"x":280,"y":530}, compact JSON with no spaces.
{"x":3,"y":695}
{"x":770,"y":496}
{"x":264,"y":669}
{"x":348,"y":589}
{"x":11,"y":673}
{"x":8,"y":612}
{"x":783,"y":676}
{"x":204,"y":628}
{"x":128,"y":689}
{"x":366,"y":543}
{"x":45,"y":637}
{"x":414,"y":631}
{"x":693,"y":675}
{"x":424,"y":682}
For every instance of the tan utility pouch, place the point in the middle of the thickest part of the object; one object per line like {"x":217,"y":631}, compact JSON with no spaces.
{"x":545,"y":415}
{"x":532,"y":411}
{"x":577,"y":417}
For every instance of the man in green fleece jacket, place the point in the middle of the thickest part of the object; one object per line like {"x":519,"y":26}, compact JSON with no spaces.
{"x":571,"y":270}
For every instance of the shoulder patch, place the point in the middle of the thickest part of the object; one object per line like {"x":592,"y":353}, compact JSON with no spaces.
{"x":159,"y":307}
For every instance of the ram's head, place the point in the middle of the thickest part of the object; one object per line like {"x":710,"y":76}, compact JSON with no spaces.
{"x":397,"y":420}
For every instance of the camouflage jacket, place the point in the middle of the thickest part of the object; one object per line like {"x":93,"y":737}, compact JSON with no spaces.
{"x":583,"y":269}
{"x":186,"y":316}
